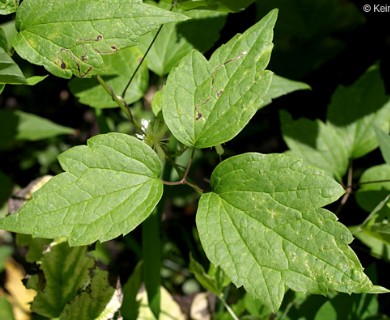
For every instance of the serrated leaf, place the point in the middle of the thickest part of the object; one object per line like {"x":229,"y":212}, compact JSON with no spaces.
{"x":316,"y":143}
{"x":70,"y":37}
{"x":66,"y":271}
{"x":8,"y":6}
{"x":19,"y":125}
{"x":356,"y":110}
{"x":108,"y":188}
{"x":220,"y":5}
{"x":175,"y":40}
{"x":119,"y":69}
{"x":100,"y":302}
{"x":262,"y":223}
{"x":206,"y":103}
{"x":384,"y":144}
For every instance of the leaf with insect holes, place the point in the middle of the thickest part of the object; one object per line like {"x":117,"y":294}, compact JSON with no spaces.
{"x":108,"y":188}
{"x":206,"y":103}
{"x":70,"y":37}
{"x":263,"y":224}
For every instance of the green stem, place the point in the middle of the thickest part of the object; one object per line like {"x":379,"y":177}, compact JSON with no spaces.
{"x":146,"y":53}
{"x":151,"y":250}
{"x":119,"y":101}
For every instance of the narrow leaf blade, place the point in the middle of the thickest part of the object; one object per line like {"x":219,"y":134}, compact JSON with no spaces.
{"x":108,"y":189}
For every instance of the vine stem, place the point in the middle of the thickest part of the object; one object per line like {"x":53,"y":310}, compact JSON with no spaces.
{"x":119,"y":101}
{"x":146,"y":53}
{"x":184,"y":179}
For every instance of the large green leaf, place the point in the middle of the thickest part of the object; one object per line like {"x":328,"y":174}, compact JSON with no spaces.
{"x":356,"y":110}
{"x":108,"y":189}
{"x":119,"y":69}
{"x":206,"y":103}
{"x":262,"y":223}
{"x":66,"y":271}
{"x":70,"y":37}
{"x":349,"y":131}
{"x":317,"y":143}
{"x":177,"y":39}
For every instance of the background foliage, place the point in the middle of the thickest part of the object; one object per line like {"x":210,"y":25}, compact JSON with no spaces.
{"x":333,"y":46}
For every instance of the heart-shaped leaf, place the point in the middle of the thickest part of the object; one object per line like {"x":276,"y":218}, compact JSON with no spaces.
{"x":70,"y":37}
{"x":206,"y":103}
{"x":268,"y":235}
{"x":108,"y":189}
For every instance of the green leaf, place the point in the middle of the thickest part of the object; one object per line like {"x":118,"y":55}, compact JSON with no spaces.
{"x":9,"y":70}
{"x":8,"y":6}
{"x":176,"y":40}
{"x":220,"y":5}
{"x":206,"y":103}
{"x":110,"y":186}
{"x":66,"y":271}
{"x":262,"y":223}
{"x":203,"y":278}
{"x":356,"y":110}
{"x":119,"y":69}
{"x":316,"y":143}
{"x":384,"y":144}
{"x":5,"y":253}
{"x":100,"y":302}
{"x":374,"y":187}
{"x":6,"y":309}
{"x":379,"y":248}
{"x":70,"y":37}
{"x":35,"y":246}
{"x":19,"y":125}
{"x":130,"y":306}
{"x":281,"y":86}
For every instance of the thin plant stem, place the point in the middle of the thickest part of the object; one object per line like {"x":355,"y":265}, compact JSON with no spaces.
{"x":119,"y":101}
{"x":184,"y":180}
{"x":144,"y":56}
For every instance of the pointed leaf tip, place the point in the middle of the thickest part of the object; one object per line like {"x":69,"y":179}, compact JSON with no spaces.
{"x":206,"y":103}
